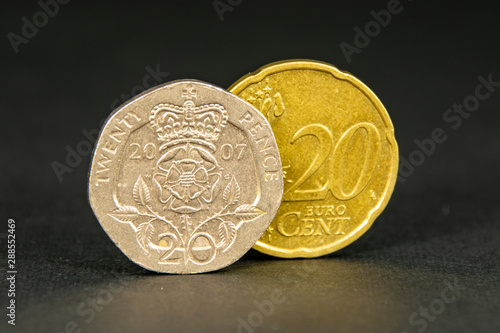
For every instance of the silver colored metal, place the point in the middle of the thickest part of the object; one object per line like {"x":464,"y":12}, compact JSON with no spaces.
{"x":185,"y":177}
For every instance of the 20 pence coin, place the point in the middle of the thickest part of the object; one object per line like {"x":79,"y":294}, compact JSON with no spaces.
{"x":185,"y":177}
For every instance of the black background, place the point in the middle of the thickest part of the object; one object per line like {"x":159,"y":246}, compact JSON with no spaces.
{"x":442,"y":223}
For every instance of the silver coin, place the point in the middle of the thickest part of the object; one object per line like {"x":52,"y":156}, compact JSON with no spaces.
{"x":185,"y":178}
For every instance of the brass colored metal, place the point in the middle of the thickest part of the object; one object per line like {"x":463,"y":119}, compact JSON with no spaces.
{"x":339,"y":154}
{"x":185,"y":177}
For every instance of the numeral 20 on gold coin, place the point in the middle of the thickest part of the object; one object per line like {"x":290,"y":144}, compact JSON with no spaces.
{"x":333,"y":157}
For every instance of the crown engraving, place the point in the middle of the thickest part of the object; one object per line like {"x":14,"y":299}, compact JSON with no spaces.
{"x":188,"y":123}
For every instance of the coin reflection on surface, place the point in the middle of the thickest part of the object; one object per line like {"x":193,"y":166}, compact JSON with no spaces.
{"x":274,"y":291}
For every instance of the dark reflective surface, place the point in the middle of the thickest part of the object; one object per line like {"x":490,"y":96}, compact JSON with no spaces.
{"x":441,"y":277}
{"x":276,"y":295}
{"x":441,"y":227}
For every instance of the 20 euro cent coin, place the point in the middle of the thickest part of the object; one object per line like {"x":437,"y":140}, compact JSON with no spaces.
{"x":185,"y":177}
{"x":339,"y":154}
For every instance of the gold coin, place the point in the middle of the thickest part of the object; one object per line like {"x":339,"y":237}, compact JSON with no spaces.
{"x":339,"y":154}
{"x":185,"y":177}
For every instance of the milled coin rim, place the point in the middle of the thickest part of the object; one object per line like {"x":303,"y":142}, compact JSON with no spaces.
{"x":306,"y":64}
